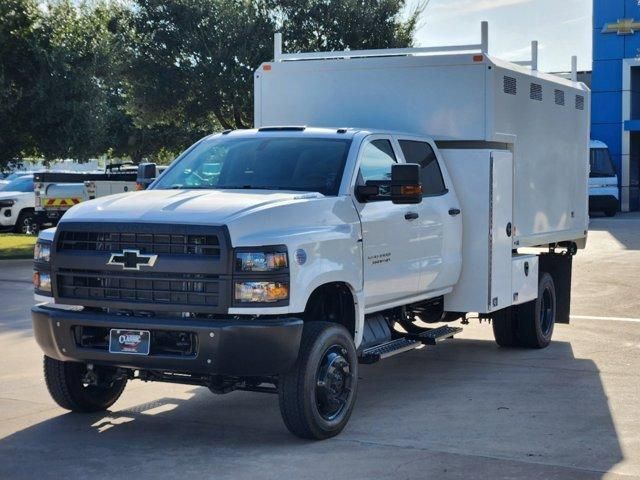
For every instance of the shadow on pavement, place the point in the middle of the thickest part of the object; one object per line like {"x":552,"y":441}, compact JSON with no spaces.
{"x":465,"y":407}
{"x":623,"y":227}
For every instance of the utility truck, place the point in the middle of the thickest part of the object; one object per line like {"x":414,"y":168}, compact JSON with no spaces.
{"x":603,"y":180}
{"x":57,"y":192}
{"x":382,"y":196}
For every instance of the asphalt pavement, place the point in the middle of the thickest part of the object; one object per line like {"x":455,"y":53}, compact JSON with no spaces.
{"x":464,"y":409}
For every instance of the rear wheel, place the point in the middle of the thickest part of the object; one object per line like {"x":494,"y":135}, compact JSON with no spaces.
{"x":74,"y":387}
{"x":318,"y":395}
{"x":505,"y":327}
{"x":537,"y":319}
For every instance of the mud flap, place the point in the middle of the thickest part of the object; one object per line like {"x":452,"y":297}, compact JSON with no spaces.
{"x":559,"y":266}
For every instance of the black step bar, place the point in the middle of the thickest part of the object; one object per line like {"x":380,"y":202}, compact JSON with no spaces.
{"x":407,"y":342}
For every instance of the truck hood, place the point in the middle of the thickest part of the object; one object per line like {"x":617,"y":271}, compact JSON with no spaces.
{"x":183,"y":206}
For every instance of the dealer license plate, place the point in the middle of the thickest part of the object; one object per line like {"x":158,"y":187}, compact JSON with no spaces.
{"x":136,"y":342}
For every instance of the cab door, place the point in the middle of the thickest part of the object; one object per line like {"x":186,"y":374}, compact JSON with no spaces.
{"x":391,"y":258}
{"x":437,"y":227}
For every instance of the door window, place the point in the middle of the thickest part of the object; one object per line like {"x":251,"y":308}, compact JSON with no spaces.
{"x":375,"y":164}
{"x":430,"y":174}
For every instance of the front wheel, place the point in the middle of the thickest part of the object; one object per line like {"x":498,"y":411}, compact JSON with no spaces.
{"x":74,"y":387}
{"x":318,"y":394}
{"x":26,"y":223}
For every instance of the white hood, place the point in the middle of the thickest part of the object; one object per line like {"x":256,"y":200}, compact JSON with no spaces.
{"x":182,"y":206}
{"x":12,"y":195}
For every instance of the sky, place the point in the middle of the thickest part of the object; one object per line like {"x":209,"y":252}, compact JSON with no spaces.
{"x":562,"y":28}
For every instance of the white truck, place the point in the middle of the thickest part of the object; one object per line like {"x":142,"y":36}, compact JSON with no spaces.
{"x":424,"y":190}
{"x":16,"y":205}
{"x":604,"y":194}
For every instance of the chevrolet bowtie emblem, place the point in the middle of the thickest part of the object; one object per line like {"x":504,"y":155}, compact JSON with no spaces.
{"x":624,"y":26}
{"x":132,"y":260}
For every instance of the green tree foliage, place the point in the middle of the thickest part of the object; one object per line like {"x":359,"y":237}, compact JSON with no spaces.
{"x":71,"y":109}
{"x":194,"y":59}
{"x":148,"y":77}
{"x":18,"y":68}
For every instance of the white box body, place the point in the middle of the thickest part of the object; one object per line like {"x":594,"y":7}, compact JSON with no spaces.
{"x":524,"y":278}
{"x":542,"y":119}
{"x":483,"y":183}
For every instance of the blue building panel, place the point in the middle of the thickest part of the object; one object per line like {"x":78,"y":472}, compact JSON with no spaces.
{"x":609,"y":133}
{"x":607,"y":47}
{"x":632,"y":44}
{"x":607,"y":76}
{"x":606,"y":107}
{"x":616,"y":38}
{"x":604,"y":11}
{"x":631,"y":9}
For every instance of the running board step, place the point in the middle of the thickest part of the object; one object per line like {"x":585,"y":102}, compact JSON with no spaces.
{"x":388,"y":349}
{"x":435,"y":335}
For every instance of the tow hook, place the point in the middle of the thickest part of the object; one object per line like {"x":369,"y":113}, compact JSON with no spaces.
{"x":90,"y":378}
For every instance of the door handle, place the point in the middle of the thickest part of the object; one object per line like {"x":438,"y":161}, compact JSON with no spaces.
{"x":454,"y":211}
{"x":411,"y":216}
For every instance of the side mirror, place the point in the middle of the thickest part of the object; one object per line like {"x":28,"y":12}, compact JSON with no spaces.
{"x":365,"y":192}
{"x":146,"y":174}
{"x":406,"y":187}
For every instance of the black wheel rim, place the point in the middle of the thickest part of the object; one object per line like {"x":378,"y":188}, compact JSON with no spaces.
{"x":546,"y":312}
{"x":333,"y":383}
{"x":29,"y":227}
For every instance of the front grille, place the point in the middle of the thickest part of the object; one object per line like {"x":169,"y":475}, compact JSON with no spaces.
{"x":183,"y":290}
{"x":148,"y":243}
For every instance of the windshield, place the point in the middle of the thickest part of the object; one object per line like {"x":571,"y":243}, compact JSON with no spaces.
{"x":276,"y":163}
{"x":601,"y":165}
{"x":22,"y":184}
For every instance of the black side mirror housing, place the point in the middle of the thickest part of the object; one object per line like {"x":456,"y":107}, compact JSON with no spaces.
{"x":147,"y":173}
{"x":406,"y":187}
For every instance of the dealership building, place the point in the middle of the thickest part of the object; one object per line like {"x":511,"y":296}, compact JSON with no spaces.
{"x":616,"y":90}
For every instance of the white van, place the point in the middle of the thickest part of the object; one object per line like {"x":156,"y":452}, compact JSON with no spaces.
{"x":603,"y":180}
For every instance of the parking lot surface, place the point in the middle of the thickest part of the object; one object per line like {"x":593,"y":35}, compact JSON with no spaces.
{"x":464,"y":409}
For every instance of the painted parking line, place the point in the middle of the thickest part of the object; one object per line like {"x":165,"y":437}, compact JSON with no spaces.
{"x":606,"y":319}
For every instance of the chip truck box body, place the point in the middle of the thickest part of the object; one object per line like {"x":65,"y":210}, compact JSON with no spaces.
{"x":461,"y":100}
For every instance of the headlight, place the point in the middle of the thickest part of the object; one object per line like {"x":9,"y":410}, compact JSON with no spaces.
{"x":42,"y":252}
{"x":261,"y":292}
{"x":42,"y":281}
{"x":6,"y":203}
{"x":260,"y":261}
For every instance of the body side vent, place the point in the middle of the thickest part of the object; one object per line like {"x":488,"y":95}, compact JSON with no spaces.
{"x":510,"y":86}
{"x":579,"y":102}
{"x":559,"y":97}
{"x":536,"y":92}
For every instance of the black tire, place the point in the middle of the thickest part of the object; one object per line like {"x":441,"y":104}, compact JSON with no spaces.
{"x":26,"y":223}
{"x":318,"y":395}
{"x":610,"y":212}
{"x":536,"y":319}
{"x":65,"y":384}
{"x":505,"y":328}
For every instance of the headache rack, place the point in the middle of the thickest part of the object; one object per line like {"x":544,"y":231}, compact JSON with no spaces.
{"x":480,"y":48}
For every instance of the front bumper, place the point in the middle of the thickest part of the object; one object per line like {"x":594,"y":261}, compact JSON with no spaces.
{"x":243,"y":348}
{"x":48,"y":217}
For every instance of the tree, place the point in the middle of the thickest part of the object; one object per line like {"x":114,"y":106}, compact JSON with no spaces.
{"x":319,"y":25}
{"x":18,"y":66}
{"x":192,"y":61}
